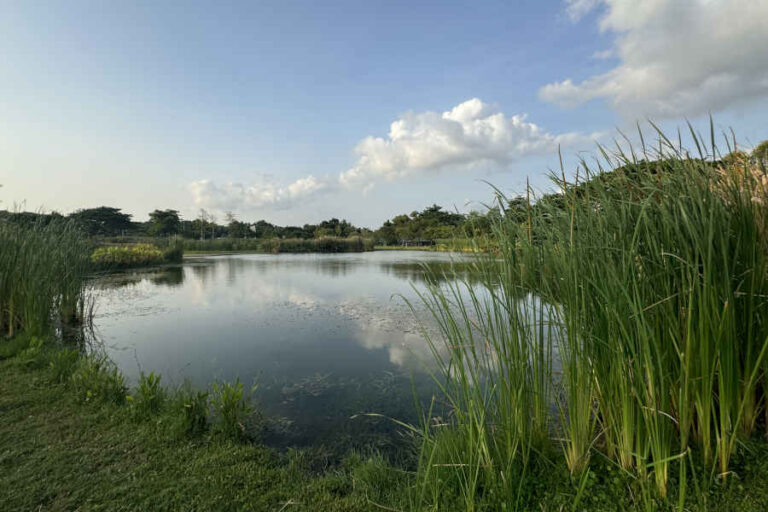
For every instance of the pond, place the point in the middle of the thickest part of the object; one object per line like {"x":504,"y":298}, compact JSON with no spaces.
{"x":328,"y":337}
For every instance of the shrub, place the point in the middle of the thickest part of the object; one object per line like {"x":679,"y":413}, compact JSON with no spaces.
{"x":173,"y":254}
{"x":97,"y":379}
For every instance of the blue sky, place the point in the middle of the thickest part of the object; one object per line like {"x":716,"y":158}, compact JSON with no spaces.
{"x":283,"y":110}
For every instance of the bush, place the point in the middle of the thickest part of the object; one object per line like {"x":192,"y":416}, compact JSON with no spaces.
{"x":174,"y":254}
{"x":98,"y":380}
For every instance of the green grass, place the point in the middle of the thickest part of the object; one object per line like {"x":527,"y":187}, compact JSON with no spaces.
{"x":42,"y":276}
{"x":624,"y":321}
{"x":64,"y":449}
{"x":60,"y":453}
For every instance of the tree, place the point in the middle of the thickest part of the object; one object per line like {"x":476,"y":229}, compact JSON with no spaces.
{"x":103,"y":220}
{"x":235,"y":228}
{"x":202,"y":218}
{"x":334,"y":227}
{"x":760,"y":153}
{"x":164,"y":222}
{"x":386,"y":233}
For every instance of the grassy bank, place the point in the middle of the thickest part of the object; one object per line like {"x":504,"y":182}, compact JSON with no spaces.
{"x":61,"y":449}
{"x":65,"y":448}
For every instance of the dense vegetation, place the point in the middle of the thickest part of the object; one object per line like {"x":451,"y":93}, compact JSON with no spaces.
{"x":610,"y":351}
{"x":43,"y":266}
{"x":135,"y":255}
{"x":635,"y":302}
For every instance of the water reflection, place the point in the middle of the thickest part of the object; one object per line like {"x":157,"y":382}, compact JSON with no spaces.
{"x":327,"y":335}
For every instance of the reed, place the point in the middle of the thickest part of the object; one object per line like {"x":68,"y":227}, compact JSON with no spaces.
{"x":635,"y":303}
{"x":43,"y":268}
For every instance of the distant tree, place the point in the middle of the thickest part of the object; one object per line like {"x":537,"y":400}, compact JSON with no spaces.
{"x":760,"y":153}
{"x":235,"y":228}
{"x":334,"y":227}
{"x":263,"y":229}
{"x":386,"y":233}
{"x":517,"y":209}
{"x":202,"y":219}
{"x":212,"y":221}
{"x":164,"y":222}
{"x":103,"y":220}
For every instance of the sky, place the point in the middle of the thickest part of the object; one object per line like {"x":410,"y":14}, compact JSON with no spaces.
{"x":298,"y":111}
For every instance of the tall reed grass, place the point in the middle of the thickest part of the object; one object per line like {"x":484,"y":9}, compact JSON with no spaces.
{"x":42,"y":276}
{"x":627,"y":318}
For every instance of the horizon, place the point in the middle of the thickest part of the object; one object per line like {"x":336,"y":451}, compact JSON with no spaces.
{"x":295,"y":113}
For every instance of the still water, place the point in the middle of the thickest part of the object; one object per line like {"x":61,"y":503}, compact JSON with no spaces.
{"x":328,"y":337}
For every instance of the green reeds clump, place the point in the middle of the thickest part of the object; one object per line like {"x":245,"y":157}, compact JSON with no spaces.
{"x":634,"y":302}
{"x":42,"y":276}
{"x":126,"y":256}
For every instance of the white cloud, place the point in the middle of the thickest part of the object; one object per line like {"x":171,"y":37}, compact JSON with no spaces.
{"x":676,"y":57}
{"x":472,"y":134}
{"x":240,"y":197}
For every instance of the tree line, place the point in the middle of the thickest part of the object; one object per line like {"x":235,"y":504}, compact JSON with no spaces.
{"x":428,"y":225}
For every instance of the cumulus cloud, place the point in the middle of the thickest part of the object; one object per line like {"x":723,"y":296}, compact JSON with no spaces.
{"x":266,"y":194}
{"x":675,"y":58}
{"x":472,"y":134}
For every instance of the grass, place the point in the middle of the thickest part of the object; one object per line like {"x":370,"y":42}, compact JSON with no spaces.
{"x":42,"y":277}
{"x":59,"y":454}
{"x":624,"y":321}
{"x":87,"y":442}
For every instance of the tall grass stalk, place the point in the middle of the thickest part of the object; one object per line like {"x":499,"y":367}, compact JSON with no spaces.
{"x":42,"y":276}
{"x":651,"y":275}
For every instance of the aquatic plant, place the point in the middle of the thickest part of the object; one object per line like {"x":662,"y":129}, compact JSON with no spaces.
{"x":634,"y":301}
{"x":231,"y":408}
{"x":195,"y":412}
{"x":98,"y":379}
{"x":43,"y":267}
{"x":149,"y":396}
{"x":63,"y":363}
